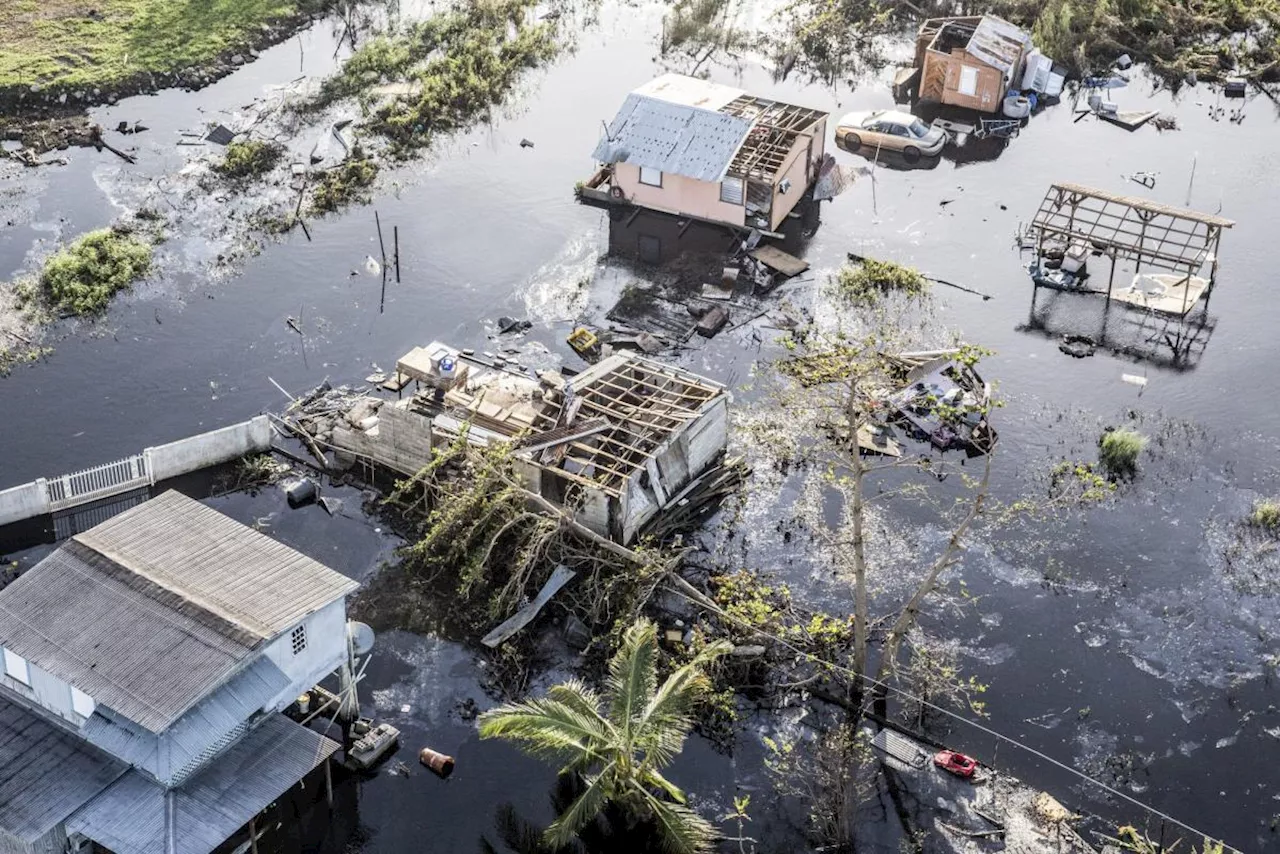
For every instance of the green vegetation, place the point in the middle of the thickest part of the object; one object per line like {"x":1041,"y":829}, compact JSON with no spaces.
{"x":249,"y":158}
{"x":1118,"y":451}
{"x":619,"y":742}
{"x":1266,"y":515}
{"x":81,"y":278}
{"x":343,"y":184}
{"x":1175,"y":38}
{"x":866,"y":282}
{"x":458,"y":65}
{"x":66,"y":44}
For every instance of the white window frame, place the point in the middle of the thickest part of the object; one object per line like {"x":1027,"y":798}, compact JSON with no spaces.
{"x":81,"y":703}
{"x":969,"y":76}
{"x":649,"y":172}
{"x":298,"y":639}
{"x":737,"y":198}
{"x":16,"y":667}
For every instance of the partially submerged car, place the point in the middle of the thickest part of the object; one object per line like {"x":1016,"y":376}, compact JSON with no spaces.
{"x":890,"y":130}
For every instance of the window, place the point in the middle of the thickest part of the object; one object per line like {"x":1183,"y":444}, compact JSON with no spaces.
{"x":299,"y":639}
{"x":650,"y":176}
{"x":968,"y":81}
{"x":81,"y":703}
{"x":16,"y":667}
{"x":731,"y":190}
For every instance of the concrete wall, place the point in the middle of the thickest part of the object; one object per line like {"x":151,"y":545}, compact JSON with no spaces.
{"x":164,"y":461}
{"x":678,"y":194}
{"x":325,"y":651}
{"x":208,"y":449}
{"x":24,"y":502}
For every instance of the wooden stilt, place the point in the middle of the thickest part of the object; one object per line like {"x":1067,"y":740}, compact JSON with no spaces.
{"x":328,"y":782}
{"x":253,"y":835}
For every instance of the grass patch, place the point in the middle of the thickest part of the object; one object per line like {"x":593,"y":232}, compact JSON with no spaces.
{"x":82,"y":277}
{"x":1265,"y":515}
{"x":865,"y":282}
{"x":343,"y":184}
{"x":248,"y":159}
{"x":459,"y":64}
{"x":57,"y":43}
{"x":1118,"y":451}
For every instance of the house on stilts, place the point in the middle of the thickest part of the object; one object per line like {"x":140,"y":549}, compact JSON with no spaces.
{"x":146,"y":663}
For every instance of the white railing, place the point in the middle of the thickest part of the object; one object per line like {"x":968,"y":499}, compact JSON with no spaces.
{"x":101,"y":481}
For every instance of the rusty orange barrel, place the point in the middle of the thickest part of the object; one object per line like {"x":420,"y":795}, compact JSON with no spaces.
{"x":439,"y":763}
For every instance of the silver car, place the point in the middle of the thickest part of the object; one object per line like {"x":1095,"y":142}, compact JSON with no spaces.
{"x":890,"y":130}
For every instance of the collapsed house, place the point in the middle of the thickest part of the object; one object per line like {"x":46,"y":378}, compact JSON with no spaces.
{"x":146,"y":663}
{"x":615,"y":444}
{"x":697,"y":149}
{"x":975,"y":62}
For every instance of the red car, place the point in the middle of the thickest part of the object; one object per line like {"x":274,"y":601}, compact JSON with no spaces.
{"x":956,"y":763}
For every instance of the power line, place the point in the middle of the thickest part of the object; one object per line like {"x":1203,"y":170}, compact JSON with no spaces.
{"x":961,"y":718}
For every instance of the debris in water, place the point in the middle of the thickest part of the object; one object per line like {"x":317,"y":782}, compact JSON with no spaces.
{"x":300,"y":492}
{"x":524,"y":143}
{"x":371,"y":265}
{"x":1134,"y":379}
{"x":332,"y":506}
{"x":220,"y":135}
{"x":510,"y":324}
{"x":1077,"y":346}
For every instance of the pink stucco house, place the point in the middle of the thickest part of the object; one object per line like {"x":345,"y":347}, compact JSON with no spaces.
{"x":702,"y":150}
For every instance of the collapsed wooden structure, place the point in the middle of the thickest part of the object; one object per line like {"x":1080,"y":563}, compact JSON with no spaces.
{"x":1168,"y":246}
{"x":969,"y":61}
{"x":616,"y":444}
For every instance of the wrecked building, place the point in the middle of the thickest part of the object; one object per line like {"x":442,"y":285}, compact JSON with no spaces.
{"x":145,"y":665}
{"x":698,"y":149}
{"x":970,"y":62}
{"x":615,"y":443}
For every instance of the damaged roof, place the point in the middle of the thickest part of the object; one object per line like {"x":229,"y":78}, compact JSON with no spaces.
{"x":150,"y":611}
{"x":997,"y":42}
{"x":674,"y":138}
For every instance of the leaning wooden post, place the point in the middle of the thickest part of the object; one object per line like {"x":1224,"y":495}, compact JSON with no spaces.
{"x":395,"y":248}
{"x":382,"y":247}
{"x":328,"y":782}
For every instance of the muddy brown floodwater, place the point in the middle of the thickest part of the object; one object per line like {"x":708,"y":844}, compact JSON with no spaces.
{"x":1120,"y":642}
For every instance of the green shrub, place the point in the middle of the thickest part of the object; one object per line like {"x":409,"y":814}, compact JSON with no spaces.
{"x":249,"y":158}
{"x":1266,"y":515}
{"x":1119,"y":449}
{"x":865,"y":282}
{"x":82,"y":277}
{"x":343,"y":184}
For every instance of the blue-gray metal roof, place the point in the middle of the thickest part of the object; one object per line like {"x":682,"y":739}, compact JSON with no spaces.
{"x":153,"y":609}
{"x":46,"y":773}
{"x":673,"y":138}
{"x":188,"y":740}
{"x":130,"y":816}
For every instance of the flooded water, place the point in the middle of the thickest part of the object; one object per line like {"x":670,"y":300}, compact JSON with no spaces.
{"x":1121,"y":645}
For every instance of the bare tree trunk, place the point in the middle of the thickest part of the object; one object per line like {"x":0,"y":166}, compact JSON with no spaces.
{"x":907,"y":617}
{"x":861,"y":606}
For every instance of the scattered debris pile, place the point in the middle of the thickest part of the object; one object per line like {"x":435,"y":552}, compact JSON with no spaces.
{"x":940,"y":399}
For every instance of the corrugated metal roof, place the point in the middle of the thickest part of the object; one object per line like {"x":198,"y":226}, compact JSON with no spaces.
{"x":150,"y":611}
{"x":212,"y":560}
{"x":997,"y":42}
{"x":674,"y":138}
{"x":191,"y":736}
{"x":129,"y":817}
{"x":46,"y":773}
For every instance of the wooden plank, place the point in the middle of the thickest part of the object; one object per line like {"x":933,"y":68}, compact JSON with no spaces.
{"x":1129,"y":119}
{"x":559,"y":578}
{"x":775,"y":259}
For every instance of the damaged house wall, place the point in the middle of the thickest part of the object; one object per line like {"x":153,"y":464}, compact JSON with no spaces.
{"x":800,"y":166}
{"x":678,"y":194}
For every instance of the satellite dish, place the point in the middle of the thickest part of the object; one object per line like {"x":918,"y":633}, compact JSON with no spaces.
{"x":360,"y":636}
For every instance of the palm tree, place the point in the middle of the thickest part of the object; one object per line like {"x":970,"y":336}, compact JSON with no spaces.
{"x":620,"y":752}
